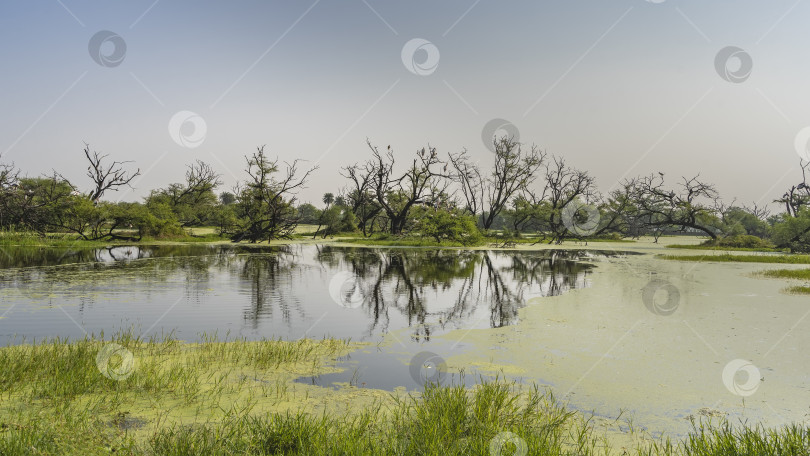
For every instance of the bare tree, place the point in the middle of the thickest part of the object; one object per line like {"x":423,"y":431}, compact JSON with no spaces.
{"x":267,"y":205}
{"x":693,"y":206}
{"x":361,"y":197}
{"x":798,"y":195}
{"x":192,"y":201}
{"x":9,"y":194}
{"x":106,"y":176}
{"x":201,"y":181}
{"x":619,"y":214}
{"x":513,"y":171}
{"x":762,"y":213}
{"x":397,"y":195}
{"x":471,"y":182}
{"x":564,"y":184}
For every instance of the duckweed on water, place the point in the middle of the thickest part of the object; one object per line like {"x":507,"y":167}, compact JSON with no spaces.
{"x":165,"y":397}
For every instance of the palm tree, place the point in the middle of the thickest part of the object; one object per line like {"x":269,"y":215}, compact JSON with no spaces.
{"x":328,"y":199}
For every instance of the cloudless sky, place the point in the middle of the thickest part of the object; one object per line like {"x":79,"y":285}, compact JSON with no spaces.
{"x":619,"y":88}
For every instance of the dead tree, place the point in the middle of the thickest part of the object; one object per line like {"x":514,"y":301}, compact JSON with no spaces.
{"x":398,"y":195}
{"x":361,"y":198}
{"x":798,"y":195}
{"x":693,"y":206}
{"x":514,"y":170}
{"x":564,"y":184}
{"x":106,"y":176}
{"x":470,"y":181}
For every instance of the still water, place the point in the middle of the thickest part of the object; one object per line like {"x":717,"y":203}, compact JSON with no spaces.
{"x":273,"y":292}
{"x":286,"y":292}
{"x":606,"y":348}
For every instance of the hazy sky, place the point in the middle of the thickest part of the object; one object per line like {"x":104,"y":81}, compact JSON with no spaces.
{"x":620,"y":87}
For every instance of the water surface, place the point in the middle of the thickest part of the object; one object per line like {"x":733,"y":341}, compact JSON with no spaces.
{"x":273,"y":292}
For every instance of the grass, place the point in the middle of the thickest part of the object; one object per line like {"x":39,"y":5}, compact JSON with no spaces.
{"x":756,"y":441}
{"x":731,"y":258}
{"x":386,"y":240}
{"x":794,"y":274}
{"x":798,"y":289}
{"x":55,"y":396}
{"x":739,"y":242}
{"x":27,"y":239}
{"x":733,"y":249}
{"x":24,"y":239}
{"x":441,"y":421}
{"x":802,"y":274}
{"x":238,"y":397}
{"x":303,"y":232}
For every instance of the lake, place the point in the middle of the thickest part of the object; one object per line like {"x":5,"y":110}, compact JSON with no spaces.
{"x":607,"y":330}
{"x":283,"y":292}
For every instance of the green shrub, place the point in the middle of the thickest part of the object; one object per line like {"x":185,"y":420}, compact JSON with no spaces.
{"x":740,"y":241}
{"x":450,"y":225}
{"x":793,"y":232}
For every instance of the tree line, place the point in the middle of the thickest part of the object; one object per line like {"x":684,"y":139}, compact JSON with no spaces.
{"x":445,"y":197}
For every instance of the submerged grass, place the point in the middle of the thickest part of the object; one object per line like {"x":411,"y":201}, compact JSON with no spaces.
{"x":791,"y":274}
{"x":212,"y":398}
{"x":798,"y":289}
{"x":732,"y":258}
{"x":802,"y":274}
{"x":726,"y":248}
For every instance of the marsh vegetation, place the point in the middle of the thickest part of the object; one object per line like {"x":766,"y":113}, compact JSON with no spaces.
{"x":199,"y":256}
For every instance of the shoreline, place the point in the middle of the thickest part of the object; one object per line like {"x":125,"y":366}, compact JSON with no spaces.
{"x":161,"y":393}
{"x":531,"y":342}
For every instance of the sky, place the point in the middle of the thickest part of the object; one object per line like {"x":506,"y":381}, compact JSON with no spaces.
{"x":619,"y":88}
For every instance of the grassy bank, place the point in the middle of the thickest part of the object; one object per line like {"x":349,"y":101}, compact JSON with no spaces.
{"x":164,"y":397}
{"x":94,"y":397}
{"x":302,"y":233}
{"x":57,"y":240}
{"x":489,"y":241}
{"x":740,"y":242}
{"x":732,"y":258}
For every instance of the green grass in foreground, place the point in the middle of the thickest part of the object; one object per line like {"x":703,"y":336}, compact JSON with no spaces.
{"x":731,"y":258}
{"x":238,"y":398}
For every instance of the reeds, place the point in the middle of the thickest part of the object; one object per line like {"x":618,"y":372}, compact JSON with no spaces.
{"x":165,"y":397}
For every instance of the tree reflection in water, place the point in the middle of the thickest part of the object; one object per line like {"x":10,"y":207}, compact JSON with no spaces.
{"x":273,"y":288}
{"x":437,"y":289}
